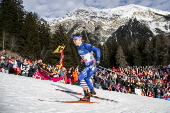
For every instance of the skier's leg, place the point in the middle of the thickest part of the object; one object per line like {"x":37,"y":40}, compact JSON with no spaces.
{"x":81,"y":77}
{"x":88,"y":80}
{"x":89,"y":74}
{"x":83,"y":73}
{"x":83,"y":84}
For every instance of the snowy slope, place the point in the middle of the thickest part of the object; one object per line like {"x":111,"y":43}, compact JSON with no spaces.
{"x":19,"y":94}
{"x":50,"y":21}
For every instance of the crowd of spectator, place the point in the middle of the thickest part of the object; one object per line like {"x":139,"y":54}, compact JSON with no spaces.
{"x":151,"y":81}
{"x":148,"y":81}
{"x":29,"y":68}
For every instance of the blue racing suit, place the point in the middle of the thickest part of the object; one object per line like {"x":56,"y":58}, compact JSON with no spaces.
{"x":86,"y":50}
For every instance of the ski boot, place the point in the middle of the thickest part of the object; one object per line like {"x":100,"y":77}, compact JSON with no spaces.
{"x":92,"y":92}
{"x":86,"y":97}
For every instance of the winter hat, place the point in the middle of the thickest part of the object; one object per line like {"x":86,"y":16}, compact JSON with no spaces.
{"x":44,"y":64}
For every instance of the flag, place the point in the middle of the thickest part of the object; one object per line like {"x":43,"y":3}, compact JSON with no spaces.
{"x":62,"y":59}
{"x":59,"y":49}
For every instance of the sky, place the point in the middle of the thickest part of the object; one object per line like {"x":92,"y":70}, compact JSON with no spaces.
{"x":20,"y":94}
{"x":58,"y":8}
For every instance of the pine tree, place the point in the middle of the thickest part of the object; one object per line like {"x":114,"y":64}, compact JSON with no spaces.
{"x":147,"y":53}
{"x":112,"y":47}
{"x":11,"y":20}
{"x":11,"y":16}
{"x":158,"y":53}
{"x":105,"y":55}
{"x":165,"y":43}
{"x":29,"y":41}
{"x":120,"y":57}
{"x":127,"y":51}
{"x":44,"y":36}
{"x":135,"y":55}
{"x":137,"y":59}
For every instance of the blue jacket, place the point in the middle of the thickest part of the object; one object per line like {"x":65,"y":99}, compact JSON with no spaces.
{"x":86,"y":50}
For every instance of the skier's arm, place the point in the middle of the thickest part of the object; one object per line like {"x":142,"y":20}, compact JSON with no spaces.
{"x":97,"y":51}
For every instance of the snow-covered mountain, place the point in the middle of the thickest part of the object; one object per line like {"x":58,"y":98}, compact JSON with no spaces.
{"x":102,"y":23}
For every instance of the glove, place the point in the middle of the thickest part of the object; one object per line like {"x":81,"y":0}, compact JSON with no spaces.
{"x":97,"y":63}
{"x":82,"y":65}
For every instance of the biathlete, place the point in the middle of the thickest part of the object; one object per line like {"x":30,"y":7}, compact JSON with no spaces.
{"x":91,"y":63}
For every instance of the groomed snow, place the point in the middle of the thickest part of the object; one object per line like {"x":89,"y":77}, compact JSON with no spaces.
{"x":20,"y":94}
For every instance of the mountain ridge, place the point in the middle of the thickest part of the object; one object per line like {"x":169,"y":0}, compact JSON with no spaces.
{"x":110,"y":20}
{"x":114,"y":10}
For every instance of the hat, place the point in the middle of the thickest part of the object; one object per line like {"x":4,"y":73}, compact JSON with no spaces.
{"x":44,"y":64}
{"x":76,"y":37}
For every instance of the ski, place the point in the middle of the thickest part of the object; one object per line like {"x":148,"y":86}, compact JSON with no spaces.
{"x":77,"y":102}
{"x":67,"y":101}
{"x":96,"y":97}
